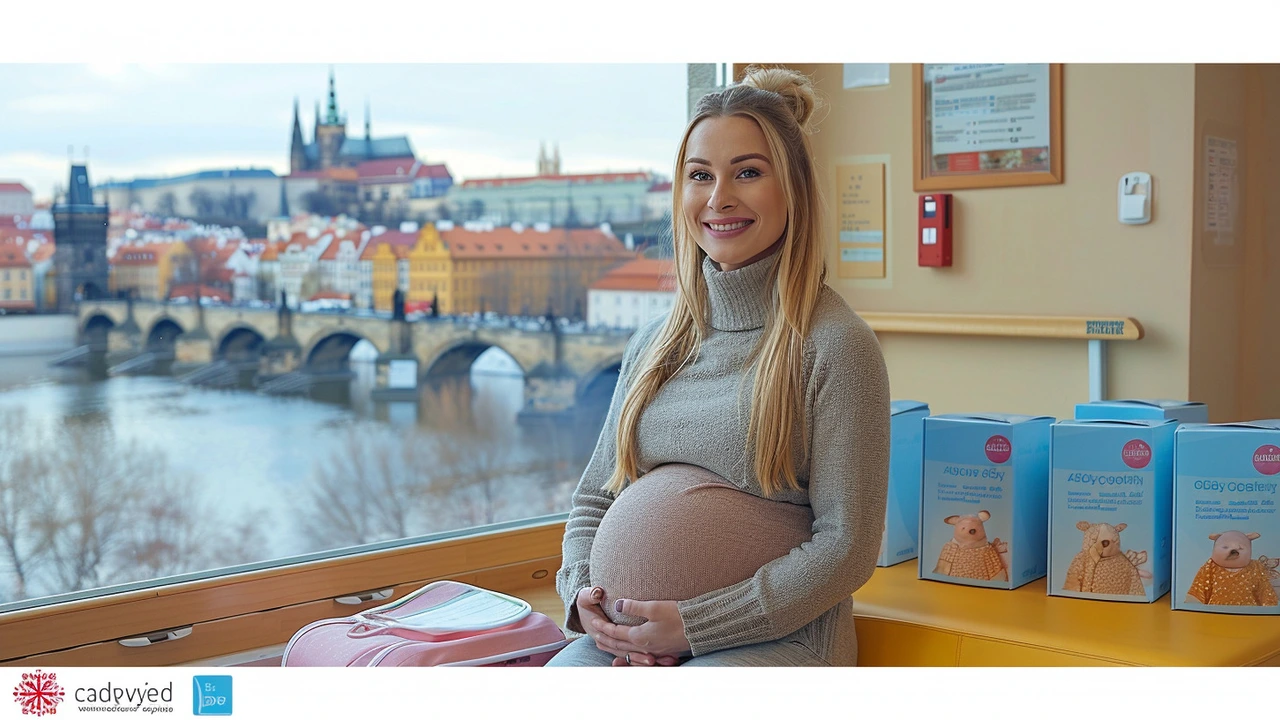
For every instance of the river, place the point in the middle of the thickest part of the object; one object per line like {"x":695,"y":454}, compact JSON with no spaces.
{"x":177,"y":479}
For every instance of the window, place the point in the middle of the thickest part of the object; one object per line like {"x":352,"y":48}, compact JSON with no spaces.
{"x":341,"y":443}
{"x":8,"y":294}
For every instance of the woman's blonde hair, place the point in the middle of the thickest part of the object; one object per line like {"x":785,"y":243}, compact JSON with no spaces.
{"x":782,"y":103}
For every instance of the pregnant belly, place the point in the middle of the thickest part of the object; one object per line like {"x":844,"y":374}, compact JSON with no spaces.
{"x":681,"y":531}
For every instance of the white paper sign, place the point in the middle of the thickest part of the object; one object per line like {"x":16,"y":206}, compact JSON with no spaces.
{"x":983,"y":108}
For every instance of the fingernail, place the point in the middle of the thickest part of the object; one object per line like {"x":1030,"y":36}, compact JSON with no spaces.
{"x":646,"y":661}
{"x":597,"y":593}
{"x":617,"y":607}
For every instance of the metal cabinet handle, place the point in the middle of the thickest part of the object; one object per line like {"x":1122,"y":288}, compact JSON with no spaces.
{"x":364,"y":597}
{"x":156,"y":637}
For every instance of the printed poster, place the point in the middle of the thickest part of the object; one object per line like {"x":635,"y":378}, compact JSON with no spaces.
{"x":988,"y":117}
{"x":1221,"y":192}
{"x":860,"y":220}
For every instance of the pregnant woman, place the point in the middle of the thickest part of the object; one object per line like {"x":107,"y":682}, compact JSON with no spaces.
{"x":736,"y":496}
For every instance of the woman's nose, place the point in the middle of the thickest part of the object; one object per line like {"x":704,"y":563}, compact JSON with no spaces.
{"x":721,"y":199}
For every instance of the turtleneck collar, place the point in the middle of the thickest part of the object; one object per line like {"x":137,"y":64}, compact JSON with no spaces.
{"x":740,"y":299}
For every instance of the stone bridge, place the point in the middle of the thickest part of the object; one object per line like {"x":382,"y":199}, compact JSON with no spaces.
{"x":319,"y":343}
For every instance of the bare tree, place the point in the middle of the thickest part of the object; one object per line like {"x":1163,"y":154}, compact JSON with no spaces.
{"x":167,"y":205}
{"x":22,"y":469}
{"x":203,"y":202}
{"x":319,"y":202}
{"x":103,"y":511}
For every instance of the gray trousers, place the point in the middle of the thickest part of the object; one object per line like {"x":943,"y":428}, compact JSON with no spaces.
{"x":779,"y":653}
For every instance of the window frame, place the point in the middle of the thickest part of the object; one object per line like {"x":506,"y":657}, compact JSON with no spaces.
{"x":263,"y":606}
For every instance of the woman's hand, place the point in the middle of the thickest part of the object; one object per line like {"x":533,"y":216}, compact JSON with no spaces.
{"x":658,"y":641}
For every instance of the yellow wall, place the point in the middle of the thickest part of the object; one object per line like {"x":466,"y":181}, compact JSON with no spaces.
{"x":1047,"y":250}
{"x":385,"y":277}
{"x":20,"y":283}
{"x":431,"y":270}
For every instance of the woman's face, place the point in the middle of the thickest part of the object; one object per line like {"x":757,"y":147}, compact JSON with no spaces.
{"x":732,"y":196}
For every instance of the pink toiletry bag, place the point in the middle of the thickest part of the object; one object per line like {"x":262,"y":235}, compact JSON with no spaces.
{"x":446,"y":623}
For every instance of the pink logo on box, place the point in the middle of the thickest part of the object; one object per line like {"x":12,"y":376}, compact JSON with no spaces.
{"x":1267,"y":459}
{"x":1137,"y":454}
{"x":999,"y":449}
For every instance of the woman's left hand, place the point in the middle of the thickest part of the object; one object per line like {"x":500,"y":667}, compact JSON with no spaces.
{"x":662,"y":633}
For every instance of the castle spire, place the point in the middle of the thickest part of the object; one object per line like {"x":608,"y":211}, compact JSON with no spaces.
{"x":331,"y":116}
{"x":297,"y":146}
{"x":555,"y":161}
{"x":368,"y":114}
{"x":316,"y":137}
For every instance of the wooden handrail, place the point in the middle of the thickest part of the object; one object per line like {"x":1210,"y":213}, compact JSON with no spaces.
{"x":1029,"y":326}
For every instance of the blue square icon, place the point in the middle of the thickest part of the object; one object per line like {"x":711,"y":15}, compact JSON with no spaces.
{"x":212,"y":695}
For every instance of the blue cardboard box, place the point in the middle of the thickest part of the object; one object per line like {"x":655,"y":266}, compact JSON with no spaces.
{"x":984,"y":505}
{"x":1180,"y":410}
{"x":1226,"y":532}
{"x":1111,"y":509}
{"x":906,"y":454}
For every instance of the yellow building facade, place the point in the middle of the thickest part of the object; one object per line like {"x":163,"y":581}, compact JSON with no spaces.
{"x":147,"y":269}
{"x":17,"y":281}
{"x":511,"y":271}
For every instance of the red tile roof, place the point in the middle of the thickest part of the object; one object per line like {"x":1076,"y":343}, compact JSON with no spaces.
{"x":140,"y":255}
{"x":660,"y":187}
{"x":505,"y":242}
{"x":331,"y":252}
{"x":398,"y":170}
{"x":347,"y":174}
{"x":395,"y":238}
{"x":12,"y":256}
{"x":189,"y":291}
{"x":640,"y":275}
{"x":576,"y":179}
{"x":13,"y":187}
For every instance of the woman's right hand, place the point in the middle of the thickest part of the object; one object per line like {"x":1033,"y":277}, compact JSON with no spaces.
{"x":590,"y":606}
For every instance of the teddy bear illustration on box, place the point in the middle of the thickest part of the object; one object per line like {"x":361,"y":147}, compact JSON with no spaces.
{"x":968,"y":554}
{"x":1102,"y":567}
{"x":1231,"y":576}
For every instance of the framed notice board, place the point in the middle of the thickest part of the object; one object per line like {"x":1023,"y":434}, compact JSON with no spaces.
{"x":986,"y":125}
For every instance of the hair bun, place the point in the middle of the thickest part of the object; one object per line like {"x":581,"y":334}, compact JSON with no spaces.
{"x":794,"y":87}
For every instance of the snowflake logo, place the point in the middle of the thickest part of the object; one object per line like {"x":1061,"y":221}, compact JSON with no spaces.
{"x":39,"y":693}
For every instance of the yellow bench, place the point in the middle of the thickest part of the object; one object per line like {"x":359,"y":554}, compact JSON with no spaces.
{"x":904,"y":621}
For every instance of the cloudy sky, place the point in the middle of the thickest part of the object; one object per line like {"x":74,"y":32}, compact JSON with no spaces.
{"x":482,"y":120}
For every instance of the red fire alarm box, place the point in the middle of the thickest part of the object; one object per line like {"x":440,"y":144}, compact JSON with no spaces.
{"x":934,"y":239}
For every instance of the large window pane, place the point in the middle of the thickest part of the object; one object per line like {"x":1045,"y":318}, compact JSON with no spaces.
{"x":297,"y":323}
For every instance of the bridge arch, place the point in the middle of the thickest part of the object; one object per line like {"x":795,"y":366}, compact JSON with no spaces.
{"x":95,"y":328}
{"x":600,"y":379}
{"x":239,"y":342}
{"x":164,"y":333}
{"x":456,"y":358}
{"x":332,"y":350}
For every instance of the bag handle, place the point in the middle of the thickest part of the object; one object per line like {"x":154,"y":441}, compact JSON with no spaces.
{"x":377,"y":621}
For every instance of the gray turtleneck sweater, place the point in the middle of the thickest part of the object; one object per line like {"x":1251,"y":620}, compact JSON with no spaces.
{"x":805,"y":595}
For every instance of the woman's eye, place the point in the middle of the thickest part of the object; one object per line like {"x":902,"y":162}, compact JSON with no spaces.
{"x":750,"y":173}
{"x":700,"y":175}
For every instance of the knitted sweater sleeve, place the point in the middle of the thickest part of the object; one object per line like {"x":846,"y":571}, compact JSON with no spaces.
{"x":848,"y":485}
{"x":589,"y":500}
